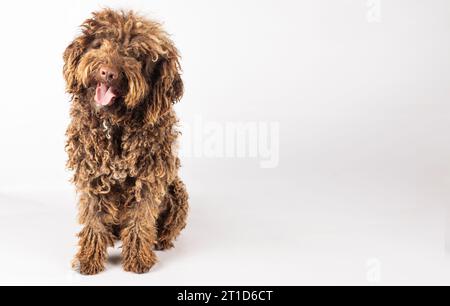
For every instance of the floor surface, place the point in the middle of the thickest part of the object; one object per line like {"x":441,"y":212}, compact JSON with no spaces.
{"x":244,"y":235}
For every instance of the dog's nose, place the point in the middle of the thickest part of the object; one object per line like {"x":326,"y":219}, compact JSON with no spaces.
{"x":108,"y":74}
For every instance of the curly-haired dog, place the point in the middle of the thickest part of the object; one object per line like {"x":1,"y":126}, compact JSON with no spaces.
{"x":123,"y":74}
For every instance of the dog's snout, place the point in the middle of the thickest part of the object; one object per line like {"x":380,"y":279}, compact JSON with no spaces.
{"x":108,"y":74}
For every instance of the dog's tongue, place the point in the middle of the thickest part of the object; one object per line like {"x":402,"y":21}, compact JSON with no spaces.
{"x":104,"y":95}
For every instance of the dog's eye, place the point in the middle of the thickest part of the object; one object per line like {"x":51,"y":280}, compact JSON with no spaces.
{"x":97,"y":43}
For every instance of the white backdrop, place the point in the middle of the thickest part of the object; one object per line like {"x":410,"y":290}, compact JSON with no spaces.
{"x":356,"y":93}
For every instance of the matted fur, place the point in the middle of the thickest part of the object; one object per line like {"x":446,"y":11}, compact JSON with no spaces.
{"x":123,"y":155}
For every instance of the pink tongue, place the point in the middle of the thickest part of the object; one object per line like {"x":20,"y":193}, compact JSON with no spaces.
{"x":103,"y":95}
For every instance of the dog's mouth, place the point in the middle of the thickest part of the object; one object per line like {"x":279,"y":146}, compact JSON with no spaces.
{"x":105,"y":94}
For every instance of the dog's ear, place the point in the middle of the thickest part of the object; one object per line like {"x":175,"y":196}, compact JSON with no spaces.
{"x":71,"y":57}
{"x":166,"y":87}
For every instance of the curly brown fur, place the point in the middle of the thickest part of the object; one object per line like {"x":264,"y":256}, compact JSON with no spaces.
{"x":123,"y":74}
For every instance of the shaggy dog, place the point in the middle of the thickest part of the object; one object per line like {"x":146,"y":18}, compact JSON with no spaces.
{"x":123,"y":75}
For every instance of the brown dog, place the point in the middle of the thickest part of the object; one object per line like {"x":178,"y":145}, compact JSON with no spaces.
{"x":123,"y":74}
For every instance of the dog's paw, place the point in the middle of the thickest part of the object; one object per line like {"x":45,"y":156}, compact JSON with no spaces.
{"x":87,"y":267}
{"x":138,"y":266}
{"x":163,"y":245}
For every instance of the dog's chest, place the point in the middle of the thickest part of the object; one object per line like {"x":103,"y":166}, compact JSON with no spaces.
{"x":110,"y":152}
{"x":112,"y":138}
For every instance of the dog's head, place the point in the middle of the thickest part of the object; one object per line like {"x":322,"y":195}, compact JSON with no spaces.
{"x":123,"y":60}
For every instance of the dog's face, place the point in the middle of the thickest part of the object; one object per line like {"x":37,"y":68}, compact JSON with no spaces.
{"x":123,"y":60}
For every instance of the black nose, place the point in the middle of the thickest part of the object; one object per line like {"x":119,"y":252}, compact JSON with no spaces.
{"x":108,"y":74}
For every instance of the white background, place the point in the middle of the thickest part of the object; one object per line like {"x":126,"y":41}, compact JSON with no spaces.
{"x":361,"y":191}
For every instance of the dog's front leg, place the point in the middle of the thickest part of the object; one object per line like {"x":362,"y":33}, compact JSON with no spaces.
{"x":94,"y":238}
{"x":139,"y":231}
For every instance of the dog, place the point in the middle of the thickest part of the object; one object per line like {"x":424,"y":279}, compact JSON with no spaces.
{"x":123,"y":75}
